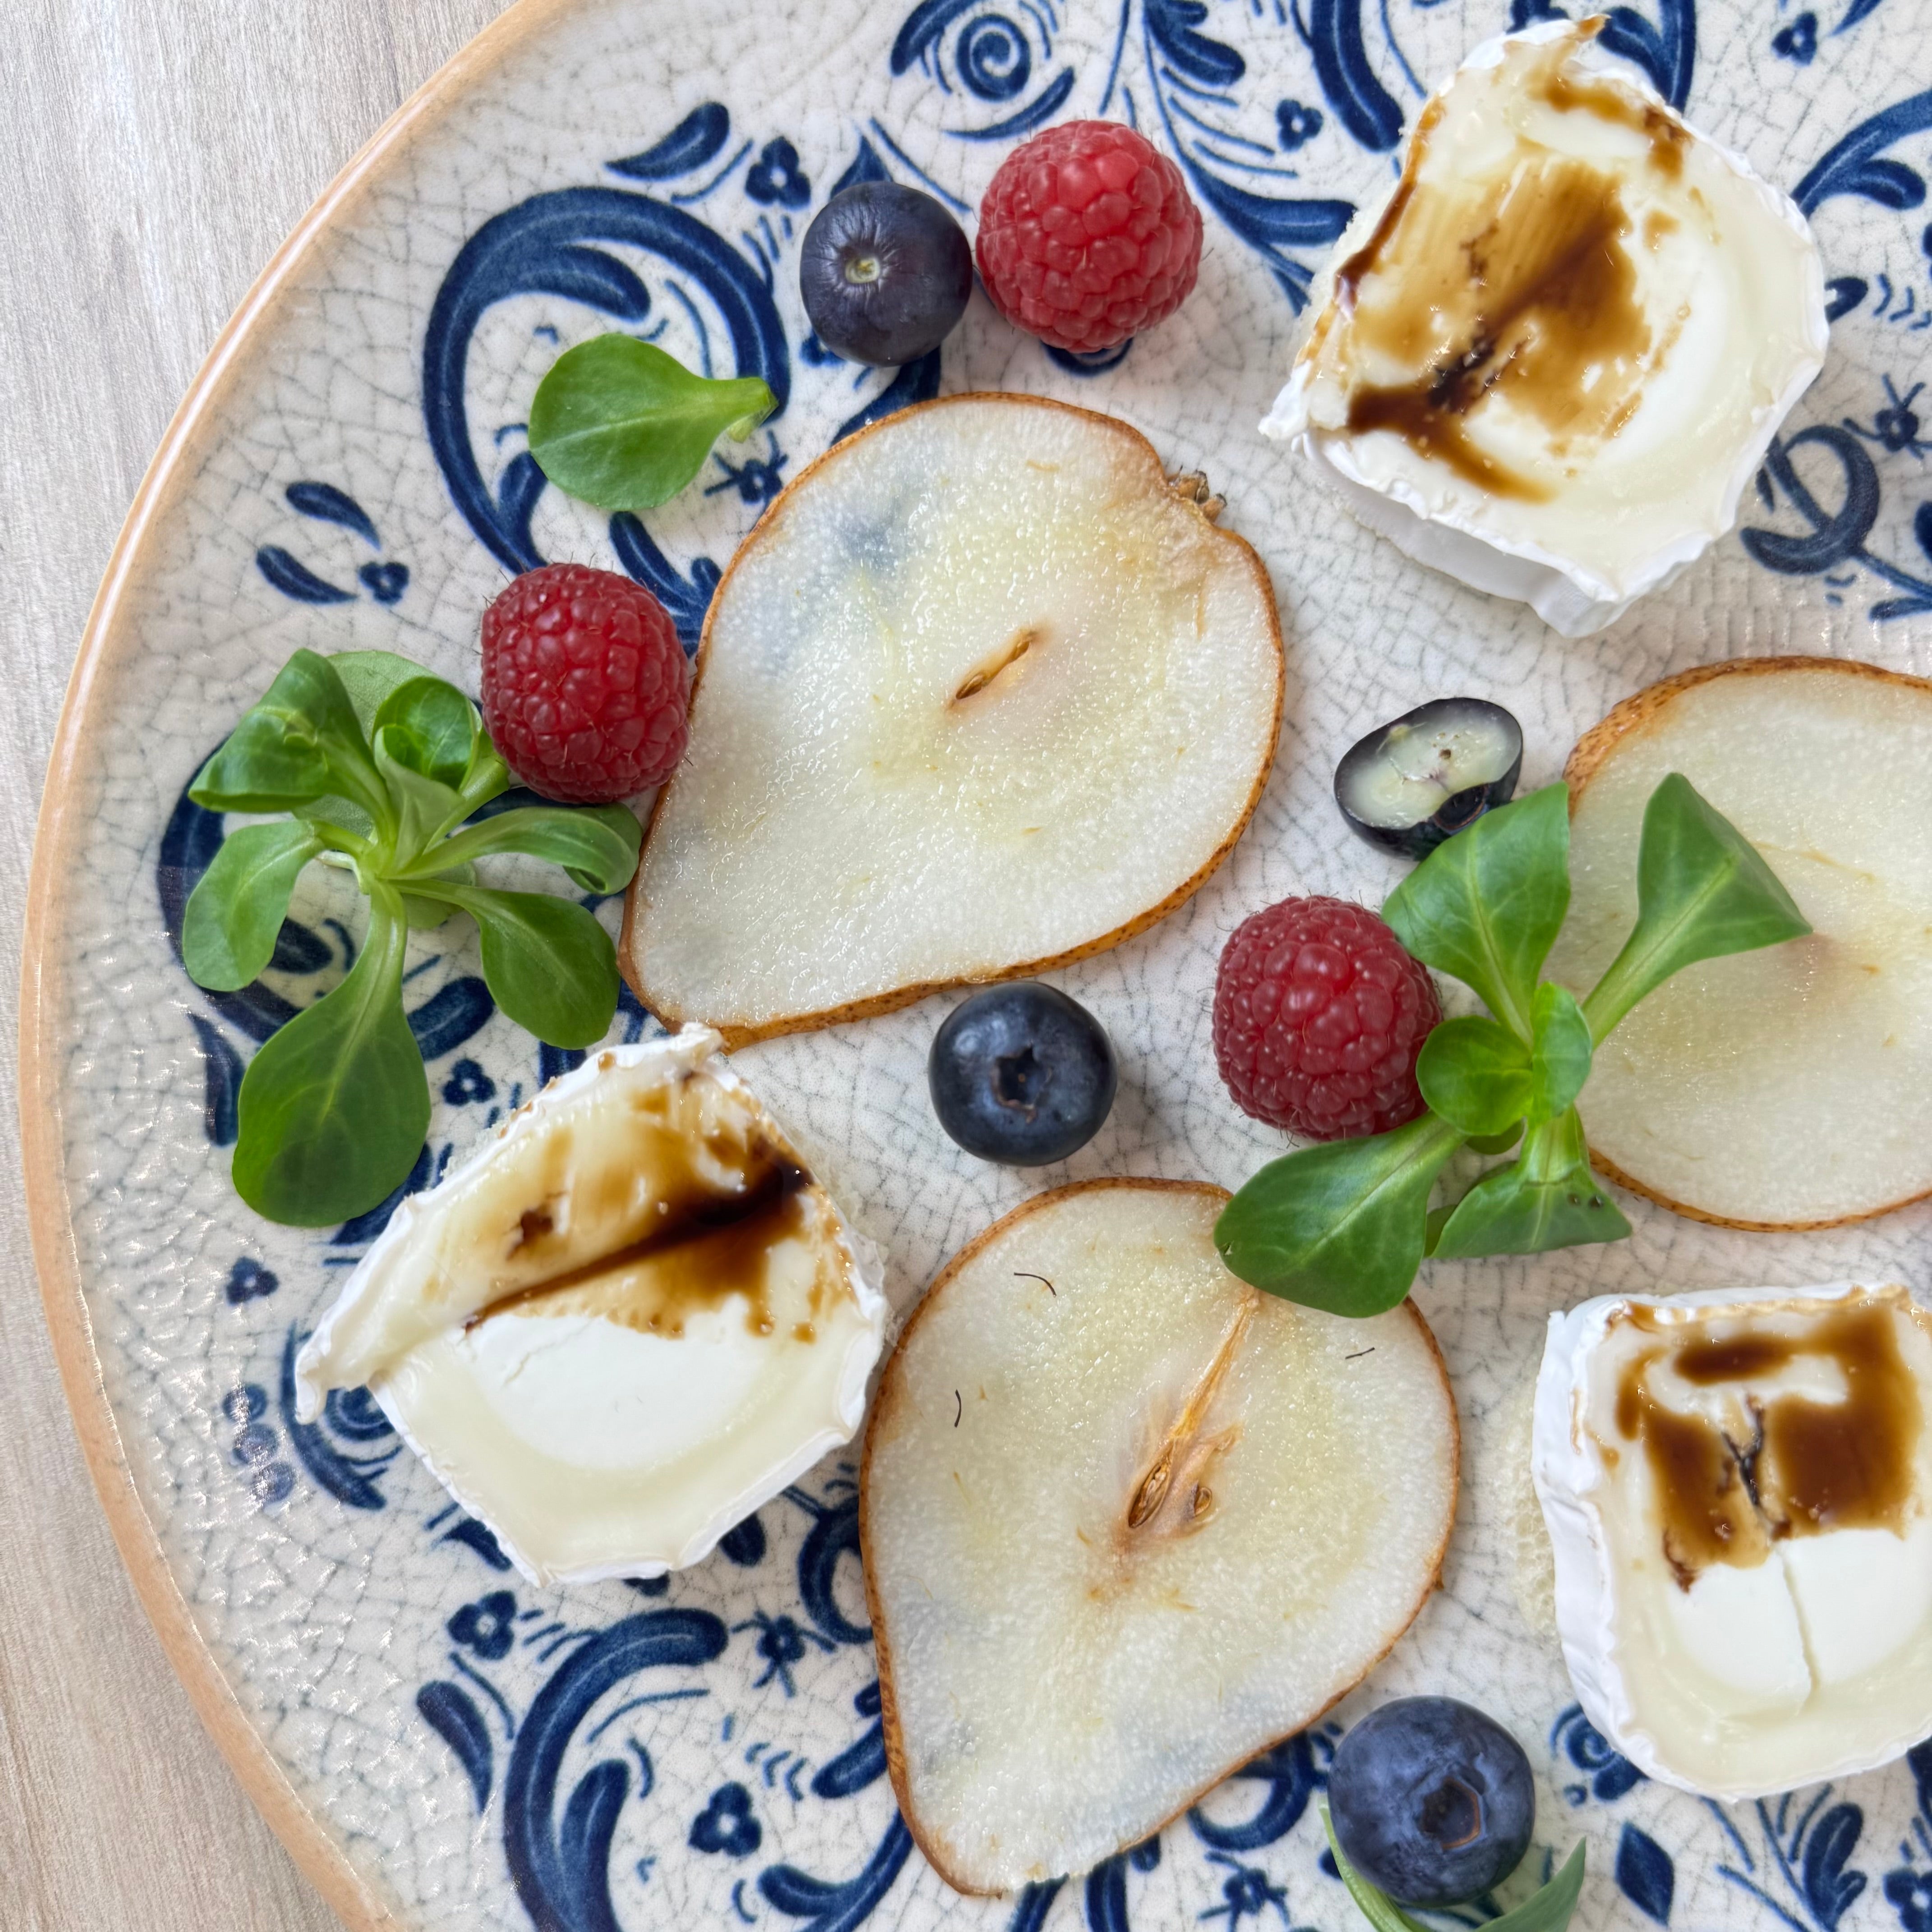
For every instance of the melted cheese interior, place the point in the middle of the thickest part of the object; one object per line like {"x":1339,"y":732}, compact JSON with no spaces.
{"x":1570,"y":321}
{"x":620,"y":1327}
{"x":1766,"y":1474}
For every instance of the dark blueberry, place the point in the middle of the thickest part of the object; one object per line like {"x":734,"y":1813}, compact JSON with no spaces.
{"x":1409,"y":786}
{"x":1020,"y":1074}
{"x":885,"y":272}
{"x":1431,"y":1801}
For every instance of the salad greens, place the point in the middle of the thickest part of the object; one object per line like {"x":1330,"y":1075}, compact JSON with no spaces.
{"x":1547,"y":1909}
{"x":380,"y":765}
{"x":1344,"y":1226}
{"x":624,"y":425}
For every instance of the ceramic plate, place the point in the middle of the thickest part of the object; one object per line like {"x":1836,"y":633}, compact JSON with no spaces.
{"x":436,"y":1741}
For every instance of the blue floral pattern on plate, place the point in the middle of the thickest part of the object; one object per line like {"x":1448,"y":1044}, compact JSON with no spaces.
{"x":706,"y":1750}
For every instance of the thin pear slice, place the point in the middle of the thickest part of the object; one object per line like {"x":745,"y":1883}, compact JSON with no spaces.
{"x":984,"y":691}
{"x":1790,"y":1088}
{"x":1126,"y":1522}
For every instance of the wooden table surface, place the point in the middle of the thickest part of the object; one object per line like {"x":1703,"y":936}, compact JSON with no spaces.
{"x":156,"y":152}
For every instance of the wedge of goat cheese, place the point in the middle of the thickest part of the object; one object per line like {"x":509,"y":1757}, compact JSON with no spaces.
{"x":1550,"y":359}
{"x":1736,"y":1486}
{"x":628,"y":1319}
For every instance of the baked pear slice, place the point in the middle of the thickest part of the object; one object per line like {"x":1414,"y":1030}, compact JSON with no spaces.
{"x":1127,"y":1522}
{"x":1790,"y":1088}
{"x":983,"y":692}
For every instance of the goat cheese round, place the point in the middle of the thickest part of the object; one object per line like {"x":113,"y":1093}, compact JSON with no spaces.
{"x":1549,"y":361}
{"x":631,"y":1317}
{"x":1736,"y":1486}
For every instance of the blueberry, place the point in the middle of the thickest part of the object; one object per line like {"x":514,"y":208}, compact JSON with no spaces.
{"x":1431,"y":1801}
{"x":885,"y":272}
{"x":1021,"y":1075}
{"x":1409,"y":785}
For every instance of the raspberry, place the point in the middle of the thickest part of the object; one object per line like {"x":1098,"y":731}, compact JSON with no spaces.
{"x":1086,"y":236}
{"x":584,"y":684}
{"x":1319,"y":1014}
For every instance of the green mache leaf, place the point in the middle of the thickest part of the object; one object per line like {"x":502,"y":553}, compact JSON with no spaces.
{"x":232,"y":916}
{"x":1703,"y":891}
{"x":370,"y":676}
{"x":1487,"y":904}
{"x":1559,"y":1054}
{"x":423,"y":806}
{"x":300,"y":743}
{"x":1477,"y":1075}
{"x":1432,"y":1228}
{"x":624,"y":425}
{"x":1547,"y":1909}
{"x":1341,"y":1226}
{"x":598,"y":845}
{"x":487,"y":776}
{"x":546,"y":962}
{"x":334,"y":1106}
{"x":426,"y":915}
{"x":1546,"y":1197}
{"x":264,"y":765}
{"x":1500,"y":1143}
{"x":434,"y":728}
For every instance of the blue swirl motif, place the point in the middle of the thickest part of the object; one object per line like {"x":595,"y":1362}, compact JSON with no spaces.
{"x":720,"y":293}
{"x":1837,"y":538}
{"x":1834,"y":544}
{"x":1800,"y":1869}
{"x":973,"y":51}
{"x":1908,"y":1885}
{"x":335,"y":1450}
{"x":561,"y":1866}
{"x":1857,"y":165}
{"x":385,"y":582}
{"x":1607,"y":1775}
{"x":543,"y":246}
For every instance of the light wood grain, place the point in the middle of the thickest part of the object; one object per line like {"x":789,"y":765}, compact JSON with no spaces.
{"x":157,"y":150}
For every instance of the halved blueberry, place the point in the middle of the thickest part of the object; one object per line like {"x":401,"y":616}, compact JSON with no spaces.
{"x":1409,"y":786}
{"x":885,"y":273}
{"x":1433,"y":1801}
{"x":1021,"y":1074}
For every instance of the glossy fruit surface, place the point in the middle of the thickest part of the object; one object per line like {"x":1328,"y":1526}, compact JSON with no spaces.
{"x":1021,"y":1075}
{"x":1319,"y":1015}
{"x":1410,"y":784}
{"x":1087,"y":236}
{"x":1432,"y":1801}
{"x":885,"y":273}
{"x":585,"y":684}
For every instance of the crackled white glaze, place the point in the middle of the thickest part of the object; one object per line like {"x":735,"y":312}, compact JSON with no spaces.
{"x":367,"y":1640}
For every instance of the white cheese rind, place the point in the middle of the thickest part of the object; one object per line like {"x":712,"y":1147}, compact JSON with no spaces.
{"x":1452,"y":525}
{"x":592,"y":1450}
{"x":1869,"y":1695}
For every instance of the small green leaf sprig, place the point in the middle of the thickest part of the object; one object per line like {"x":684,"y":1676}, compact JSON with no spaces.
{"x":380,"y":764}
{"x":624,"y":425}
{"x":1549,"y":1909}
{"x":1344,"y":1226}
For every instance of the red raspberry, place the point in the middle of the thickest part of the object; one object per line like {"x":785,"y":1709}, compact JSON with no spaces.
{"x":1319,"y":1014}
{"x":584,"y":684}
{"x":1086,"y":236}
